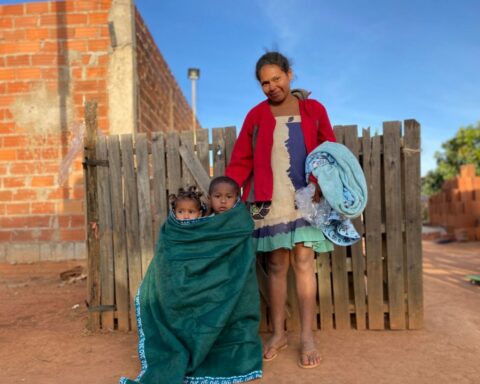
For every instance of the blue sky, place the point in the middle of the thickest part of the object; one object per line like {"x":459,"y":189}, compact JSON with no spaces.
{"x":366,"y":61}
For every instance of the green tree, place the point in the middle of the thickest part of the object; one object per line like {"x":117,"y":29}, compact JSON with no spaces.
{"x":463,"y":148}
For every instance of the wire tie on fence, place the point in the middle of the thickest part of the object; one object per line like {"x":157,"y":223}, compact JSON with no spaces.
{"x":95,"y":163}
{"x":94,"y":226}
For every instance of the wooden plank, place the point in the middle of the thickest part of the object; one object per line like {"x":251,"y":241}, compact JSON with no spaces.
{"x":413,"y":224}
{"x":325,"y":291}
{"x":373,"y":233}
{"x":93,"y":245}
{"x":218,"y":143}
{"x":160,"y":199}
{"x":393,"y":216}
{"x":230,"y":137}
{"x":195,"y":167}
{"x":356,"y":251}
{"x":186,"y":139}
{"x":144,"y":201}
{"x":174,"y":181}
{"x":203,"y":149}
{"x":134,"y":255}
{"x":105,"y":234}
{"x":119,"y":243}
{"x":339,"y":270}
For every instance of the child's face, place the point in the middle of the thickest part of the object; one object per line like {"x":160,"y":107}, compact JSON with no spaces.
{"x":187,"y":209}
{"x":223,"y":197}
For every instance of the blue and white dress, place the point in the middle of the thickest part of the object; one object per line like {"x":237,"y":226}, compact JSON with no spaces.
{"x":281,"y":225}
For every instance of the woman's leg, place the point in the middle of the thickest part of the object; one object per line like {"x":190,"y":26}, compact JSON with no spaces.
{"x":306,"y":293}
{"x":278,"y":263}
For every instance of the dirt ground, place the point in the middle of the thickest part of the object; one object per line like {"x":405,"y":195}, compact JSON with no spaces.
{"x":43,"y":339}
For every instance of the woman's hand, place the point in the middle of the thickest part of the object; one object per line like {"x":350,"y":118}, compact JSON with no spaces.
{"x":317,"y":195}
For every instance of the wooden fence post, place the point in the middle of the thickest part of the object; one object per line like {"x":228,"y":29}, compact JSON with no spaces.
{"x":93,"y":244}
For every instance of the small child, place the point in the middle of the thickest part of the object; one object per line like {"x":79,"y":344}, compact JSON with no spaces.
{"x":187,"y":204}
{"x":223,"y":194}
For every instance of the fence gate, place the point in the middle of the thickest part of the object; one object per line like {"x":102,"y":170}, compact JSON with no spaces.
{"x":374,"y":284}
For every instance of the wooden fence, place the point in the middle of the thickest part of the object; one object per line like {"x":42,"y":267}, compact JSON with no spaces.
{"x":375,"y":284}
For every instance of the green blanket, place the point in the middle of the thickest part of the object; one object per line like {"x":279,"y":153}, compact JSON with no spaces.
{"x":198,"y":304}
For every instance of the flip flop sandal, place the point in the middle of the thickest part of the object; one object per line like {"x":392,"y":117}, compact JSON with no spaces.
{"x":307,"y":366}
{"x":276,"y":350}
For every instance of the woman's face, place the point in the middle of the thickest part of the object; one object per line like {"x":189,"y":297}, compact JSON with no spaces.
{"x":275,"y":83}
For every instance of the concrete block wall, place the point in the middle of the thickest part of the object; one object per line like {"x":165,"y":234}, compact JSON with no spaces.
{"x":54,"y":56}
{"x":457,"y":206}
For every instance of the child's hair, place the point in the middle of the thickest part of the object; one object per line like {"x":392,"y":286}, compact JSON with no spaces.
{"x":223,"y":179}
{"x":189,"y":193}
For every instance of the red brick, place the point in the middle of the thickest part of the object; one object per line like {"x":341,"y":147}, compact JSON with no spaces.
{"x":37,"y":33}
{"x":59,"y":193}
{"x":28,"y":154}
{"x":72,"y":235}
{"x":7,"y":74}
{"x":12,"y":10}
{"x":15,"y":34}
{"x":29,"y":73}
{"x":86,"y":5}
{"x":46,"y":235}
{"x":23,"y":47}
{"x":36,"y":8}
{"x":98,"y":18}
{"x":3,"y":169}
{"x":8,"y":155}
{"x":43,"y":207}
{"x":99,"y":45}
{"x":86,"y":85}
{"x":50,"y":47}
{"x":6,"y":195}
{"x":6,"y":23}
{"x":5,"y":236}
{"x":74,"y":45}
{"x":13,"y":182}
{"x":86,"y":32}
{"x":72,"y":206}
{"x":51,"y":153}
{"x":18,"y":209}
{"x":96,"y":72}
{"x":26,"y":21}
{"x":19,"y":87}
{"x":77,"y":221}
{"x":42,"y":181}
{"x":6,"y":101}
{"x":25,"y":194}
{"x":22,"y":168}
{"x":63,"y":6}
{"x":18,"y":60}
{"x":26,"y":222}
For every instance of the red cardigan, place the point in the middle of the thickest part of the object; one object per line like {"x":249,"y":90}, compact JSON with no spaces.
{"x":252,"y":151}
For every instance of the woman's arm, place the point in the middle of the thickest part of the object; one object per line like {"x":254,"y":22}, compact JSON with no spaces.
{"x":241,"y":162}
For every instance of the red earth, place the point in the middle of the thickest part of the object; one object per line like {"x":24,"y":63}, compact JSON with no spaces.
{"x":44,"y":340}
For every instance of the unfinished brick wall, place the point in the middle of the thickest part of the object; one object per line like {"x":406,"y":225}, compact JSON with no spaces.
{"x":161,"y":104}
{"x":54,"y":56}
{"x":457,"y":206}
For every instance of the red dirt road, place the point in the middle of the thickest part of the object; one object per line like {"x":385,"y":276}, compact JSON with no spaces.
{"x":43,"y":338}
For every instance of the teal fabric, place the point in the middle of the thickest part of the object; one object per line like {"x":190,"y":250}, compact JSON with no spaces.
{"x":339,"y":174}
{"x":198,"y":305}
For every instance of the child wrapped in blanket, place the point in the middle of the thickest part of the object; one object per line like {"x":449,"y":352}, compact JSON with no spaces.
{"x":198,"y":304}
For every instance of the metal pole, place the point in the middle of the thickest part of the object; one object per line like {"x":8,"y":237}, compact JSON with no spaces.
{"x":194,"y":122}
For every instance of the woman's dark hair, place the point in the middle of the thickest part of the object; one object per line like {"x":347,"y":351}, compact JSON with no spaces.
{"x":272,"y":58}
{"x":223,"y":179}
{"x":189,"y":193}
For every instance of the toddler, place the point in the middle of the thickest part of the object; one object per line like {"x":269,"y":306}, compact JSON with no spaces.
{"x":187,"y":204}
{"x":223,"y":194}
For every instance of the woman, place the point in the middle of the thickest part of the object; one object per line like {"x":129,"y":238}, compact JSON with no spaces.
{"x":268,"y":162}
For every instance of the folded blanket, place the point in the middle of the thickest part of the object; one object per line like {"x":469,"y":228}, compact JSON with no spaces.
{"x":198,"y":305}
{"x":340,"y":177}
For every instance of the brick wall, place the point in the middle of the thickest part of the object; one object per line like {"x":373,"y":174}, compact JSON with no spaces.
{"x":53,"y":57}
{"x":457,"y":206}
{"x":161,"y":104}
